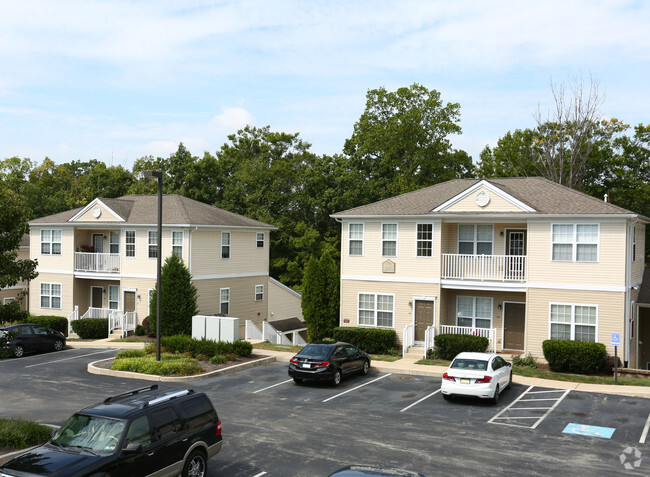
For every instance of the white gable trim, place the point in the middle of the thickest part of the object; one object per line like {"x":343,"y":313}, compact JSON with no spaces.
{"x":92,"y":204}
{"x":491,"y":188}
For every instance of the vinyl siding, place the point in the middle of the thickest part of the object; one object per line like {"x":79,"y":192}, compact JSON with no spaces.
{"x":67,"y":291}
{"x":245,"y":257}
{"x":496,"y":204}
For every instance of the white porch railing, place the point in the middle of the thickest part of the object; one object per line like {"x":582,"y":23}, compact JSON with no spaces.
{"x":408,"y":338}
{"x":270,"y":334}
{"x":252,"y":332}
{"x":122,"y":321}
{"x":71,"y":317}
{"x":489,"y":333}
{"x":98,"y":312}
{"x":505,"y":268}
{"x":429,"y":339}
{"x":97,"y":262}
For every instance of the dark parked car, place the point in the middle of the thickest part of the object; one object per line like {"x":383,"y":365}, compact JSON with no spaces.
{"x":328,"y":362}
{"x":142,"y":432}
{"x":30,"y":337}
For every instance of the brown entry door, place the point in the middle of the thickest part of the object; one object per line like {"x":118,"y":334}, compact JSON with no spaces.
{"x":423,"y":318}
{"x":96,"y":297}
{"x":129,"y":301}
{"x":514,"y":319}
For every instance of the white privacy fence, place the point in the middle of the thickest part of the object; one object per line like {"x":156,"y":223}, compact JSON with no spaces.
{"x":489,"y":333}
{"x":97,"y":262}
{"x":511,"y":268}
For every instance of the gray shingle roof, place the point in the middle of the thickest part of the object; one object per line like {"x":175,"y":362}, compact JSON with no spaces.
{"x":177,"y":210}
{"x":543,"y":195}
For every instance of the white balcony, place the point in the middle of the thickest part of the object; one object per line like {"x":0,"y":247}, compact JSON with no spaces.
{"x":97,"y":262}
{"x":503,"y":268}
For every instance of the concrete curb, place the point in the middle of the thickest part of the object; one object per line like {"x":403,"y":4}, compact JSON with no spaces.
{"x":94,"y":369}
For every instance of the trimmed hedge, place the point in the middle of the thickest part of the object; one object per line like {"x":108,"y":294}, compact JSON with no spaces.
{"x":91,"y":328}
{"x":58,"y":323}
{"x":579,"y":357}
{"x":186,"y":344}
{"x":371,"y":340}
{"x":168,"y":364}
{"x":447,"y":346}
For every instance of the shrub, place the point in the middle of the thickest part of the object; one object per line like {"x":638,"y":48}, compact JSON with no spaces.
{"x":186,"y":344}
{"x":371,"y":340}
{"x":131,"y":353}
{"x":527,"y":361}
{"x":243,"y":348}
{"x":58,"y":323}
{"x":11,"y":312}
{"x":218,"y":359}
{"x":139,"y":330}
{"x":91,"y":328}
{"x":569,"y":356}
{"x":231,"y":357}
{"x":18,"y":433}
{"x":168,"y":364}
{"x":447,"y":346}
{"x":145,"y":327}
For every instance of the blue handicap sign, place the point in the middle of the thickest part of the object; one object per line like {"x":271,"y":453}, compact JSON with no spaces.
{"x":591,"y":431}
{"x":616,"y":339}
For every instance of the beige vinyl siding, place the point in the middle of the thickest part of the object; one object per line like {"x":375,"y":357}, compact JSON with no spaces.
{"x":62,"y":262}
{"x":610,"y":315}
{"x":496,"y":204}
{"x":638,"y":265}
{"x":16,"y":293}
{"x":67,"y":304}
{"x":403,"y":293}
{"x":141,"y":264}
{"x":608,"y":271}
{"x":282,"y":303}
{"x":105,"y":216}
{"x":450,"y":236}
{"x":245,"y":257}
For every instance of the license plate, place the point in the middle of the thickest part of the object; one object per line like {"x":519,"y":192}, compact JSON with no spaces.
{"x":464,"y":381}
{"x":305,"y":365}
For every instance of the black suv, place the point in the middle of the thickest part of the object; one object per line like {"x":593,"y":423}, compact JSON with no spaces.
{"x":142,"y":432}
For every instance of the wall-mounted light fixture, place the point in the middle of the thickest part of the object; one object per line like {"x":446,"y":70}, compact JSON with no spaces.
{"x":499,"y":307}
{"x":501,"y":233}
{"x":410,"y":303}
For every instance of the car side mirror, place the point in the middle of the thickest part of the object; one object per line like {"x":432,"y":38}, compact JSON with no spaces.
{"x":133,"y":448}
{"x":509,"y":365}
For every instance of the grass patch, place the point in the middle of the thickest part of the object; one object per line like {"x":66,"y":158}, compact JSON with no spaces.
{"x":169,"y":364}
{"x":277,"y":347}
{"x":18,"y":433}
{"x":434,"y":362}
{"x":385,"y":357}
{"x":134,"y":339}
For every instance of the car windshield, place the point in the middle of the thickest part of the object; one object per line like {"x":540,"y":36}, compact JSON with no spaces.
{"x":92,"y":433}
{"x":315,"y":351}
{"x":471,"y":364}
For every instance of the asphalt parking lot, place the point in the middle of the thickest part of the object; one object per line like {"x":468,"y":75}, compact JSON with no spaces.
{"x":273,"y":427}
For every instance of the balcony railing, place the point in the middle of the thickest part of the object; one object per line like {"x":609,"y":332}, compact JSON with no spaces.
{"x":505,"y":268}
{"x":97,"y":262}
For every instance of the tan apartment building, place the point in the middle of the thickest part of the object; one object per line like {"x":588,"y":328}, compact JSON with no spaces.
{"x":517,"y":260}
{"x":101,"y":260}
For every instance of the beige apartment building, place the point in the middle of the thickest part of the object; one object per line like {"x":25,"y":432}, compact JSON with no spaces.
{"x":517,"y":260}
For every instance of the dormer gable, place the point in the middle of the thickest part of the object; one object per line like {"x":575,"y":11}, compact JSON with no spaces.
{"x":483,"y":197}
{"x":96,"y":211}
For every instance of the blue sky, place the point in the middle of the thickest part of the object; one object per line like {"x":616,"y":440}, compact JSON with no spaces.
{"x":117,"y":80}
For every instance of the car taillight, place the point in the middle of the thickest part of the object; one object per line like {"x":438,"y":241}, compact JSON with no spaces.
{"x":322,"y":364}
{"x":447,"y":377}
{"x":484,"y":379}
{"x":293,"y":361}
{"x":219,"y":428}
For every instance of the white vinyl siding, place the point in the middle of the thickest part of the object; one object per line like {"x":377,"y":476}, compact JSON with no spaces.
{"x":51,"y":295}
{"x":389,"y":240}
{"x":575,"y":242}
{"x":573,"y":322}
{"x":355,"y":239}
{"x":475,"y":239}
{"x":475,"y":312}
{"x":376,"y":310}
{"x":51,"y":241}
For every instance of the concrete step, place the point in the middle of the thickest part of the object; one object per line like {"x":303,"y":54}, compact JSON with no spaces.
{"x":415,"y":352}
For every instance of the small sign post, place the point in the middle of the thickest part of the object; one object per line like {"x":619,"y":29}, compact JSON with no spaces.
{"x":616,"y":342}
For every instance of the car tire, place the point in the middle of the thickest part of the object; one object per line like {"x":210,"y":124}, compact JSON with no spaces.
{"x":495,"y":398}
{"x":297,"y":380}
{"x":58,"y":345}
{"x":509,"y":381}
{"x":19,"y":351}
{"x":196,"y":465}
{"x":365,"y":368}
{"x":336,"y":379}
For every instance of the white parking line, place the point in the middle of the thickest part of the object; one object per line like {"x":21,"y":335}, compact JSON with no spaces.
{"x":260,"y":474}
{"x":419,"y":401}
{"x":645,"y":431}
{"x":353,"y":389}
{"x":521,"y":399}
{"x":72,"y":357}
{"x":272,"y":386}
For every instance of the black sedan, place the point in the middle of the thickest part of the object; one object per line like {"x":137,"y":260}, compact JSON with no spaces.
{"x":30,"y":337}
{"x":328,"y":362}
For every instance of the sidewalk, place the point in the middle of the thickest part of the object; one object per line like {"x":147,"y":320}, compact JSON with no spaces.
{"x":407,"y":366}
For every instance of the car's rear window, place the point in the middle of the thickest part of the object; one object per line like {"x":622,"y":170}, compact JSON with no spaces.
{"x":470,"y":364}
{"x":315,"y":351}
{"x":198,"y":412}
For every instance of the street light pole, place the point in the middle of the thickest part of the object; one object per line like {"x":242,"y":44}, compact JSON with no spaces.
{"x":159,"y":176}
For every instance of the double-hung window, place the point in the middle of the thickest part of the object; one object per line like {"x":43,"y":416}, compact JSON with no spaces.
{"x":129,"y":240}
{"x":424,"y":245}
{"x":259,"y":292}
{"x":474,"y":312}
{"x":259,"y":239}
{"x":225,"y":244}
{"x":376,"y":310}
{"x":113,"y":297}
{"x":573,"y":322}
{"x":475,"y":239}
{"x":114,"y":241}
{"x":51,"y":241}
{"x":153,"y":243}
{"x":51,"y":295}
{"x":355,"y":239}
{"x":224,"y":301}
{"x":177,"y":242}
{"x":575,"y":242}
{"x":389,"y":240}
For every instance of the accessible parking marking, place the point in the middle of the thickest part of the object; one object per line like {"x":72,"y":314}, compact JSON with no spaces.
{"x":355,"y":388}
{"x":591,"y":431}
{"x":511,"y":413}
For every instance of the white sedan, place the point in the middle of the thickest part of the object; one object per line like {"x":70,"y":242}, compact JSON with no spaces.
{"x":483,"y":375}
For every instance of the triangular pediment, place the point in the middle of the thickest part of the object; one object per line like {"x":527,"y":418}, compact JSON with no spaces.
{"x":96,"y":211}
{"x":484,"y":197}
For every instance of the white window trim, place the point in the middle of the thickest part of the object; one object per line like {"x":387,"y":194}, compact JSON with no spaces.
{"x":229,"y":245}
{"x":475,"y":239}
{"x":40,"y":296}
{"x":573,"y":317}
{"x":51,"y":242}
{"x":149,"y":244}
{"x":257,"y":240}
{"x":574,"y":242}
{"x":113,"y":301}
{"x":396,"y":240}
{"x":417,"y":241}
{"x":8,"y":299}
{"x":110,"y":235}
{"x":135,"y":241}
{"x":474,"y":317}
{"x":221,"y":302}
{"x":182,"y":245}
{"x":362,"y":239}
{"x":374,"y":325}
{"x":262,"y":292}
